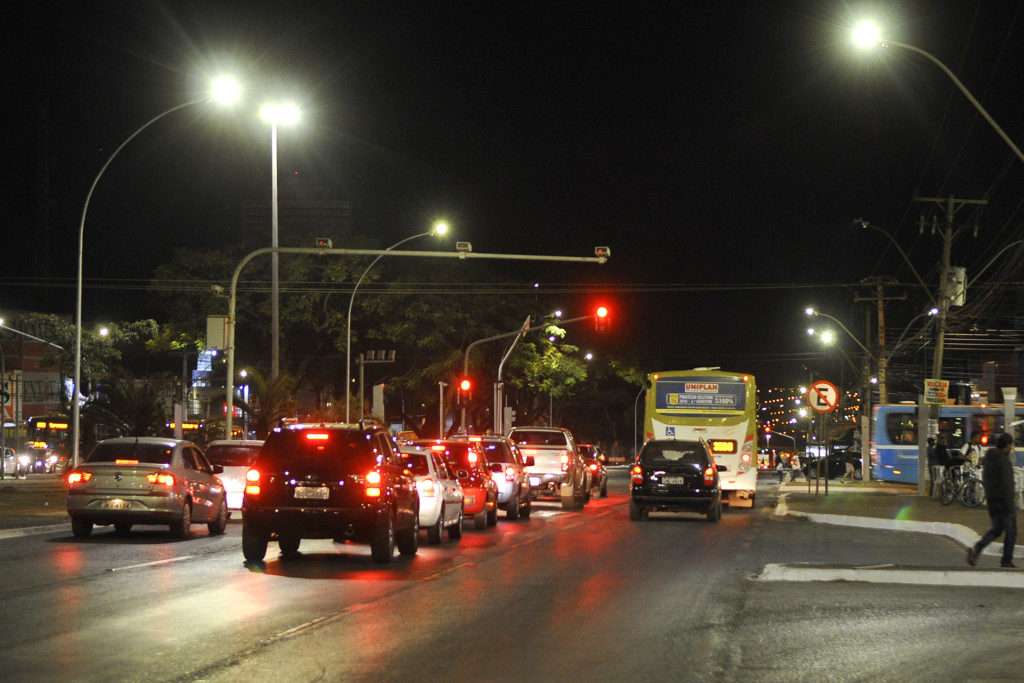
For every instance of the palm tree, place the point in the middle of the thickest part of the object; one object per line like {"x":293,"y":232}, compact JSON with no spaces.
{"x":126,"y":407}
{"x":271,"y":401}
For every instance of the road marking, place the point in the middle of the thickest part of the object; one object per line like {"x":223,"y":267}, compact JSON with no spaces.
{"x":883,"y":574}
{"x":151,"y":564}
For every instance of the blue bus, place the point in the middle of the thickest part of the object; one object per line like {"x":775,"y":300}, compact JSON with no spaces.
{"x":894,"y":433}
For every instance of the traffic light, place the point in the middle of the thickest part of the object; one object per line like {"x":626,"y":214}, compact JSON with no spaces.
{"x":465,"y":390}
{"x":767,"y":429}
{"x":601,"y":318}
{"x":465,"y":384}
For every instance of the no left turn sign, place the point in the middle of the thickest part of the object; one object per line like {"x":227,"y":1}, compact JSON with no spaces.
{"x":823,"y":396}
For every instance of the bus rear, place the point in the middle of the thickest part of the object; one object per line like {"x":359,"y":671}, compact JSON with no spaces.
{"x":716,"y":406}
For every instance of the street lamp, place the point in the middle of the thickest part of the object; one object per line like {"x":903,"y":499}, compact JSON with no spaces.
{"x":223,"y":90}
{"x":867,"y":34}
{"x":439,"y":228}
{"x":286,"y":114}
{"x":880,"y":360}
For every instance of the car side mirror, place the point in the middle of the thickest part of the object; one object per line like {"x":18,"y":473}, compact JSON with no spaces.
{"x":722,"y":468}
{"x":218,"y":469}
{"x":462,"y":474}
{"x":530,"y":462}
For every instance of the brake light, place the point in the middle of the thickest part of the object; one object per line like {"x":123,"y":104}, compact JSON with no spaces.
{"x":564,"y":458}
{"x":373,"y":484}
{"x":78,"y":477}
{"x":427,"y":488}
{"x":593,"y":467}
{"x":252,"y":483}
{"x":160,"y":479}
{"x":126,"y":462}
{"x":476,"y":439}
{"x":510,"y":473}
{"x":317,"y":436}
{"x":709,"y":475}
{"x":473,"y":457}
{"x":529,"y":451}
{"x":637,"y":474}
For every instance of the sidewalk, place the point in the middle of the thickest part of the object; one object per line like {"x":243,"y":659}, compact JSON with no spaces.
{"x":36,"y":504}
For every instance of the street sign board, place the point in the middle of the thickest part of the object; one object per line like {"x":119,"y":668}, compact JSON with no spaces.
{"x":936,"y":391}
{"x":823,"y":396}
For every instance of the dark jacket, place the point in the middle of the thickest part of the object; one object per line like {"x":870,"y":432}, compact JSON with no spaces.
{"x":942,"y":455}
{"x":997,"y":477}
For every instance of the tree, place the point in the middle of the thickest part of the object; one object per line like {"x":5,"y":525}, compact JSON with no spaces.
{"x":125,"y":406}
{"x":272,"y":400}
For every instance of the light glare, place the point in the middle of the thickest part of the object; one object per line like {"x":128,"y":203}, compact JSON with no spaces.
{"x":866,"y":34}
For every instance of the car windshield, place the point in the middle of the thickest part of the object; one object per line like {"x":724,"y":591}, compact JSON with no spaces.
{"x":153,"y":453}
{"x":354,"y":447}
{"x":455,"y":454}
{"x":232,"y":456}
{"x":685,"y":454}
{"x":539,"y":438}
{"x":415,"y":462}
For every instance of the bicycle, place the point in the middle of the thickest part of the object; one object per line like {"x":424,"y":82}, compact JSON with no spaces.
{"x":962,"y":482}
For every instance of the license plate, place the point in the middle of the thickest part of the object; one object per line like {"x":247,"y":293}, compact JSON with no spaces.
{"x":115,"y":504}
{"x":312,"y":492}
{"x":673,"y":480}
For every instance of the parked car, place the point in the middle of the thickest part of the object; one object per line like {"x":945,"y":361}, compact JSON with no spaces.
{"x":508,"y":470}
{"x":594,"y":459}
{"x":235,"y":457}
{"x":439,"y":491}
{"x":835,"y":461}
{"x":558,"y":469}
{"x":675,"y":476}
{"x":467,"y":460}
{"x":339,"y":481}
{"x":146,"y":480}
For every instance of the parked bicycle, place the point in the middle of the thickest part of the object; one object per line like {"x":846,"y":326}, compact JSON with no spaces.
{"x":963,"y":482}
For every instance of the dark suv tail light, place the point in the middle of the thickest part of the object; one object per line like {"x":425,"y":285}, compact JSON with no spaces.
{"x":709,"y":475}
{"x":252,"y":483}
{"x":637,"y":474}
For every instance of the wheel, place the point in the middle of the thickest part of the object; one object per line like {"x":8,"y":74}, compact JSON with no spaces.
{"x":289,"y":545}
{"x":715,"y":513}
{"x":858,"y":474}
{"x":586,"y":494}
{"x":183,"y":527}
{"x":948,"y":491}
{"x":122,"y":528}
{"x":382,"y":545}
{"x":635,"y":511}
{"x":80,"y":527}
{"x":219,"y":524}
{"x":604,"y":488}
{"x":408,"y":540}
{"x":492,"y":514}
{"x":973,"y":494}
{"x":254,"y":545}
{"x":512,"y":509}
{"x":455,"y":530}
{"x":435,"y":529}
{"x":528,"y":508}
{"x":480,"y":520}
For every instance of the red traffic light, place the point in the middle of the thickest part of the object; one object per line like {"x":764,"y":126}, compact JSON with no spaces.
{"x":601,"y":318}
{"x":767,"y":429}
{"x":465,"y":384}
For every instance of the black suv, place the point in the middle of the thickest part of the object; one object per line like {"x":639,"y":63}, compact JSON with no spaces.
{"x":675,"y":476}
{"x":339,"y":481}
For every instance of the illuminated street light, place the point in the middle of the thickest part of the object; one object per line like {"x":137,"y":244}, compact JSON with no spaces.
{"x":440,"y":228}
{"x":274,"y":114}
{"x":221,"y":89}
{"x":880,"y":360}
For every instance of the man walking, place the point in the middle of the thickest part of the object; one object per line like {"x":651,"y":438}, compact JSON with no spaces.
{"x":997,"y":477}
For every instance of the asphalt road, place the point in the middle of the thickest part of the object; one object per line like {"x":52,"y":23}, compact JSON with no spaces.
{"x":583,"y":595}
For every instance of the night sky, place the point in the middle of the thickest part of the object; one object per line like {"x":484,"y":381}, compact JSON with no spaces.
{"x":721,"y":149}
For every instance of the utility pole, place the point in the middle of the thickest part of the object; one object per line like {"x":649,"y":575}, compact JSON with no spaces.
{"x":951,"y":205}
{"x":880,"y":283}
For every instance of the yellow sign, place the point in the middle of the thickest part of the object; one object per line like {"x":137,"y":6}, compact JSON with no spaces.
{"x":936,"y":391}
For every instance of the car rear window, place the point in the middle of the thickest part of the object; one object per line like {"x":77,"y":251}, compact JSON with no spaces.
{"x":154,"y":453}
{"x":539,"y":438}
{"x":455,"y":454}
{"x":232,"y":456}
{"x":415,"y":462}
{"x":497,"y":451}
{"x":355,"y":448}
{"x":692,"y":455}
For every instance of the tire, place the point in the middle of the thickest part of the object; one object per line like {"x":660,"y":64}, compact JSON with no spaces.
{"x":528,"y":508}
{"x":382,"y":545}
{"x":973,"y":494}
{"x":183,"y":527}
{"x":715,"y":513}
{"x":948,"y":492}
{"x":480,"y":520}
{"x":571,"y":502}
{"x":636,"y":512}
{"x":289,"y":545}
{"x":80,"y":527}
{"x":587,"y":492}
{"x":512,"y":509}
{"x":604,"y":488}
{"x":435,"y":529}
{"x":492,"y":514}
{"x":254,"y":546}
{"x":122,"y":528}
{"x":455,"y":530}
{"x":408,"y":540}
{"x":219,"y":524}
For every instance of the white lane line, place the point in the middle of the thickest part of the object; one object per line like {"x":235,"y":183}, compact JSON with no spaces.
{"x":919,"y":577}
{"x":151,"y":564}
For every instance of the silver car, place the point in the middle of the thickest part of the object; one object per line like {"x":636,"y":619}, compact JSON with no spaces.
{"x":146,"y":480}
{"x":235,"y":457}
{"x":441,"y":495}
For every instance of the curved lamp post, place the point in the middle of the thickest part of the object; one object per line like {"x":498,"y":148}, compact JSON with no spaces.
{"x":883,"y":395}
{"x":224,"y":90}
{"x":440,"y":228}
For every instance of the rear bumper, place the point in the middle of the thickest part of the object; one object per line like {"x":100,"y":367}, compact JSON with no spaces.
{"x":676,"y":503}
{"x":337,"y":523}
{"x":137,"y":509}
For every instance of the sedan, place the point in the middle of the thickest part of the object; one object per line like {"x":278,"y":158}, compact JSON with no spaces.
{"x":439,"y":491}
{"x":146,"y":480}
{"x":235,"y":457}
{"x":595,"y":462}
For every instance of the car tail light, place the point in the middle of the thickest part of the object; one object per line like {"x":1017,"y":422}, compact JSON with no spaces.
{"x":317,"y":436}
{"x":510,"y":473}
{"x":427,"y":488}
{"x":473,"y":458}
{"x":637,"y":474}
{"x":160,"y":478}
{"x":593,"y":467}
{"x":565,"y":459}
{"x":252,"y":482}
{"x":126,"y":462}
{"x":709,"y":475}
{"x":373,"y":484}
{"x":529,"y":451}
{"x":75,"y":477}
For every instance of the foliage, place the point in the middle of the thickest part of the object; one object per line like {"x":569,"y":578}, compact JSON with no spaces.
{"x":271,"y":401}
{"x":126,"y":406}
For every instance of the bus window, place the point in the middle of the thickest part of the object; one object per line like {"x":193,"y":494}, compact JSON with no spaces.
{"x":901,"y":427}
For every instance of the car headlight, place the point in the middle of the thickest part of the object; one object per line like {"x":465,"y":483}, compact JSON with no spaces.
{"x":24,"y":459}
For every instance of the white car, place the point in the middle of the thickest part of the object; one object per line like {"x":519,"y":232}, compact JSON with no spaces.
{"x":235,"y":457}
{"x":441,"y":496}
